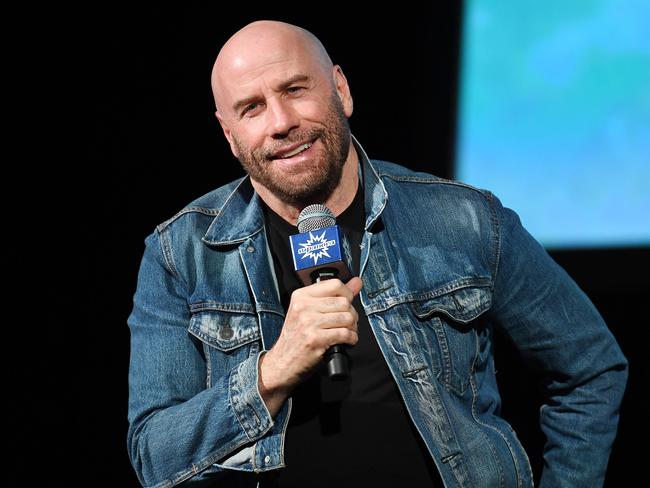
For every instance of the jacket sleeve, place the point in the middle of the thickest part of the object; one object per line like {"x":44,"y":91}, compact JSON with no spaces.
{"x":555,"y":326}
{"x":177,"y":426}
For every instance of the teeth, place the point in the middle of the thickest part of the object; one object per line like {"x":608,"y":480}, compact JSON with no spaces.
{"x":296,"y":151}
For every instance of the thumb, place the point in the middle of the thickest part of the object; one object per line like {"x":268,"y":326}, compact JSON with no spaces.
{"x":355,"y":285}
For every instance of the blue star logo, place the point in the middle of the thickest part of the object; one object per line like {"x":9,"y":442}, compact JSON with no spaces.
{"x":316,"y":247}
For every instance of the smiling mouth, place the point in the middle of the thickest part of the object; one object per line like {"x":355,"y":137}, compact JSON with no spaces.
{"x":293,"y":152}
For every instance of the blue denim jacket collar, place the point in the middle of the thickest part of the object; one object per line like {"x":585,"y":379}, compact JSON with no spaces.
{"x":241,"y":216}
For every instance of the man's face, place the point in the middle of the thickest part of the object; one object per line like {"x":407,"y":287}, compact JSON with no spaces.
{"x":315,"y":172}
{"x":286,"y":123}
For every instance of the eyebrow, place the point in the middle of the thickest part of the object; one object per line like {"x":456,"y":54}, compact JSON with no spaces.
{"x":237,"y":106}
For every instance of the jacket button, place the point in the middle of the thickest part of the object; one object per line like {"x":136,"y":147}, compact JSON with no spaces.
{"x":226,"y":332}
{"x":250,"y":249}
{"x":267,"y":459}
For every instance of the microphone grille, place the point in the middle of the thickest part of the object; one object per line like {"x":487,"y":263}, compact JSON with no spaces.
{"x":314,"y":217}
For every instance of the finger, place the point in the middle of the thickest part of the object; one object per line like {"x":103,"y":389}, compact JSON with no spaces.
{"x":328,"y":288}
{"x":346,"y":320}
{"x":341,"y":335}
{"x":354,"y":285}
{"x":331,"y":304}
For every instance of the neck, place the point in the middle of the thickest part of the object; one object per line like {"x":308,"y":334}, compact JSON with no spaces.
{"x":337,"y":202}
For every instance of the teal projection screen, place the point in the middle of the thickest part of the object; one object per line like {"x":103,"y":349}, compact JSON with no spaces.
{"x":554,"y":116}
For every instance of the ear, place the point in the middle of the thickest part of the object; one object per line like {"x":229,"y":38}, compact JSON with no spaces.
{"x":343,"y":90}
{"x":227,"y":132}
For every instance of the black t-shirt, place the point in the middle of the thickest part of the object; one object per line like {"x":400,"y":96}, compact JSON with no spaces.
{"x":355,"y":432}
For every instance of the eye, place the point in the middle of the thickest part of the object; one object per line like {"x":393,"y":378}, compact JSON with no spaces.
{"x":293,"y":90}
{"x":251,"y":109}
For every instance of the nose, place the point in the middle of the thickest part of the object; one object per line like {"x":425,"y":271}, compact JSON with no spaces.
{"x":282,"y":119}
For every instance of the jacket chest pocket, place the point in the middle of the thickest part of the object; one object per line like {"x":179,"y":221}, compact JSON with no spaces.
{"x":450,"y":329}
{"x":228,"y":338}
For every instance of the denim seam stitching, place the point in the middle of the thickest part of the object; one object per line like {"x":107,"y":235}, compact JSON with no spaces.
{"x":212,"y":306}
{"x":443,"y":290}
{"x":495,"y":252}
{"x":433,"y":180}
{"x":168,"y":255}
{"x":476,"y":419}
{"x":372,"y":218}
{"x":244,"y":308}
{"x":283,"y":432}
{"x":202,"y":465}
{"x":237,"y":240}
{"x":233,"y":379}
{"x":202,"y":210}
{"x":208,"y":365}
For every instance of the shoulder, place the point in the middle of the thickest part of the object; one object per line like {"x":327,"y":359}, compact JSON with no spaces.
{"x":400,"y":179}
{"x":431,"y":209}
{"x":201,"y":211}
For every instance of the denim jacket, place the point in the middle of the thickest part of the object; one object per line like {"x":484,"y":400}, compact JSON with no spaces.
{"x":443,"y":264}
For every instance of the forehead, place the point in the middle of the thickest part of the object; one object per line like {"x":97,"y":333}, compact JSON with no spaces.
{"x":261,"y":65}
{"x":268,"y":65}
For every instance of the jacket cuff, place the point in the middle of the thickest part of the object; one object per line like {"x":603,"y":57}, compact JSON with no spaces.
{"x":246,"y":400}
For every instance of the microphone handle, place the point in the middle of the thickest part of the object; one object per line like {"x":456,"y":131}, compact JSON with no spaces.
{"x":336,"y":357}
{"x":337,"y":362}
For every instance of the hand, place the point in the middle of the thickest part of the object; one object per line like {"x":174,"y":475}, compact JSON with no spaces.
{"x":319,"y":316}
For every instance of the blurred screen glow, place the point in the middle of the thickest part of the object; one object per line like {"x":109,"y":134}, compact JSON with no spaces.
{"x":554,"y":116}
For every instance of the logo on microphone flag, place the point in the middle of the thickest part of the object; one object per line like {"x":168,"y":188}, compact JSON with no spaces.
{"x":316,"y":247}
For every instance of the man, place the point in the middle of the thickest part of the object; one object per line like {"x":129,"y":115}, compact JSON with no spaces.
{"x":226,"y":380}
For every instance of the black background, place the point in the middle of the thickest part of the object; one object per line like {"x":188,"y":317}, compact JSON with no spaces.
{"x":152,"y":144}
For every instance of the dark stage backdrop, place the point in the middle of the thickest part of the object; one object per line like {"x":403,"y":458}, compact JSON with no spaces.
{"x":155,"y":145}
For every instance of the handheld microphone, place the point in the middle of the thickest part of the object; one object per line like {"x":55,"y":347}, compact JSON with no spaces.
{"x":317,"y":256}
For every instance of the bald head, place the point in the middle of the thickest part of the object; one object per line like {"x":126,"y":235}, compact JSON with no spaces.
{"x":261,"y":44}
